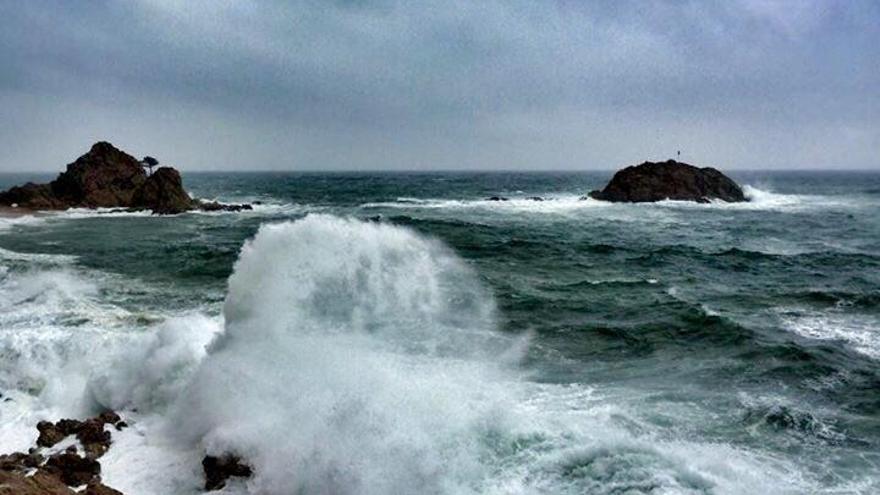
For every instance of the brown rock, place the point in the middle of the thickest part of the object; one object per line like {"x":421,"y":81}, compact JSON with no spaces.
{"x":651,"y":182}
{"x":49,"y":434}
{"x":93,"y":438}
{"x":215,"y":206}
{"x":32,"y":196}
{"x":105,"y":176}
{"x":109,"y":417}
{"x":163,"y":193}
{"x":220,"y":469}
{"x":41,"y":483}
{"x":21,"y":462}
{"x":72,"y":469}
{"x":99,"y":489}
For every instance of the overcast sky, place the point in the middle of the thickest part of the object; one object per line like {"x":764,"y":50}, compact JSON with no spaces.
{"x":451,"y":84}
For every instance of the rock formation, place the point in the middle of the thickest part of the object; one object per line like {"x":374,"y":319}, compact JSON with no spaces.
{"x":43,"y":471}
{"x":652,"y":181}
{"x":108,"y":177}
{"x":35,"y":474}
{"x":220,"y":469}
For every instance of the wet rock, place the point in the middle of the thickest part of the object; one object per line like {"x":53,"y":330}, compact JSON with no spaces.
{"x":41,"y":483}
{"x":99,"y":489}
{"x":215,"y":206}
{"x":496,"y":198}
{"x":652,"y":181}
{"x":93,"y":438}
{"x":72,"y":469}
{"x":220,"y":469}
{"x":535,"y":198}
{"x":21,"y":462}
{"x":163,"y":193}
{"x":103,"y":177}
{"x":108,"y":177}
{"x":33,"y":196}
{"x":49,"y":434}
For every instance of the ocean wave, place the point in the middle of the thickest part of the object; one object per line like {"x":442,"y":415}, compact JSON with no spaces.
{"x":557,"y":203}
{"x":361,"y":357}
{"x":859,"y":331}
{"x":352,"y":357}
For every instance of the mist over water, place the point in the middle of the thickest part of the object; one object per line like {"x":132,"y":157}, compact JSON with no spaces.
{"x":400,"y":333}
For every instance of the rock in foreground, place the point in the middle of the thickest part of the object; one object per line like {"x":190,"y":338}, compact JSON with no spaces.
{"x":111,"y":178}
{"x":219,"y":469}
{"x":652,"y":181}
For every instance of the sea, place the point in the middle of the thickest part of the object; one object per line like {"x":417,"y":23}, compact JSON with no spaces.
{"x":399,"y":333}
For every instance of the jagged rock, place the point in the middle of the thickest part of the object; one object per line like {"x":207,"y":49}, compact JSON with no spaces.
{"x":220,"y":469}
{"x":20,"y":462}
{"x":105,"y":176}
{"x":99,"y":489}
{"x":535,"y":198}
{"x":49,"y":434}
{"x":93,"y":438}
{"x":496,"y":198}
{"x":651,"y":182}
{"x":163,"y":193}
{"x":90,"y":433}
{"x":33,"y":474}
{"x":41,"y":483}
{"x":109,"y":417}
{"x":72,"y":469}
{"x":33,"y":196}
{"x":215,"y":206}
{"x":109,"y":177}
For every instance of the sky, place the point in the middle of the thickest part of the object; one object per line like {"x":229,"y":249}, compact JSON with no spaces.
{"x":442,"y":85}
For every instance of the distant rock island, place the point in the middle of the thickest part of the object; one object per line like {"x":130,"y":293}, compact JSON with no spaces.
{"x":111,"y":178}
{"x":656,"y":181}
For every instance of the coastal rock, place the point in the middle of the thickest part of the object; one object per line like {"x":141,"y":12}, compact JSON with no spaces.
{"x":41,"y":483}
{"x":99,"y":489}
{"x":215,"y":206}
{"x":33,"y":196}
{"x":93,"y":438}
{"x":72,"y":469}
{"x":109,"y":177}
{"x":20,"y":462}
{"x":220,"y":469}
{"x":49,"y":434}
{"x":163,"y":193}
{"x":652,"y":181}
{"x":103,"y":177}
{"x":33,"y":474}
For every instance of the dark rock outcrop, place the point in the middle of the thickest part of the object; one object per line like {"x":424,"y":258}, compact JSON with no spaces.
{"x":220,"y":469}
{"x":72,"y":469}
{"x":163,"y":193}
{"x":103,"y":177}
{"x":109,"y":177}
{"x":215,"y":206}
{"x":90,"y":433}
{"x":34,"y":474}
{"x":652,"y":181}
{"x":41,"y":483}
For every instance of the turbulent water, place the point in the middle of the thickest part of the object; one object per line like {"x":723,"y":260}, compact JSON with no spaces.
{"x":397,"y":333}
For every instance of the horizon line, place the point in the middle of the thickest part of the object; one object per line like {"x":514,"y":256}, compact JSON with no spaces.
{"x":453,"y":170}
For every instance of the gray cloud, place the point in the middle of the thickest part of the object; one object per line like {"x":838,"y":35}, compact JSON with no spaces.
{"x":442,"y":85}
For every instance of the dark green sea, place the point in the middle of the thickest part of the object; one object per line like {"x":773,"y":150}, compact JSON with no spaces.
{"x":372,"y":333}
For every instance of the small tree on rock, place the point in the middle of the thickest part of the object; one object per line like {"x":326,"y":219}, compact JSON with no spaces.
{"x":150,"y":162}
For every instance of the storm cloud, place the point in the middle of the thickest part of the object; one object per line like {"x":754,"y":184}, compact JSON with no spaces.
{"x":381,"y":84}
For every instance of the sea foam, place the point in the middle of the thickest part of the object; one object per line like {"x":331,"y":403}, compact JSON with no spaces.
{"x":353,"y":360}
